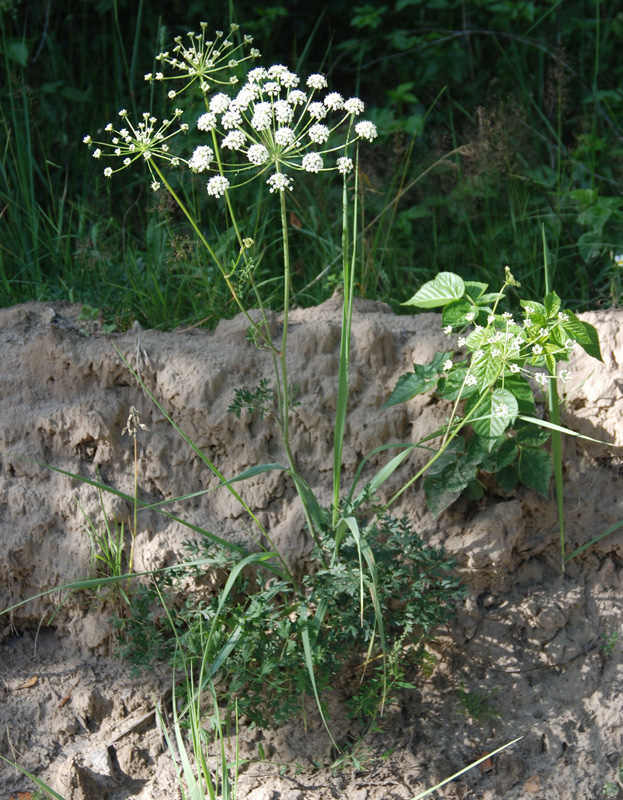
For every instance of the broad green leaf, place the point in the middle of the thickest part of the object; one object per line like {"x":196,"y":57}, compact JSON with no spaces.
{"x":501,"y":456}
{"x":454,"y":313}
{"x":17,"y":51}
{"x":507,"y":478}
{"x":537,"y":308}
{"x":535,"y":469}
{"x":453,"y":383}
{"x":438,"y":498}
{"x":458,"y":475}
{"x":409,"y":386}
{"x":532,"y":436}
{"x":492,"y":297}
{"x":474,"y":490}
{"x":443,"y":289}
{"x":475,"y":289}
{"x":422,"y":379}
{"x":497,"y":412}
{"x":584,"y":334}
{"x":552,"y":304}
{"x":521,"y":389}
{"x":449,"y":456}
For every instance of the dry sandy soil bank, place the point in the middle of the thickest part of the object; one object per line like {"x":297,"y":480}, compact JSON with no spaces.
{"x":529,"y":640}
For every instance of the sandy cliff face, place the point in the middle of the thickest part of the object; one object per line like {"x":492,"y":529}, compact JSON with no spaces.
{"x":65,"y":397}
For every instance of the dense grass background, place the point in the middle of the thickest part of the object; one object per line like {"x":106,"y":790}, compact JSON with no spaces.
{"x":500,"y":121}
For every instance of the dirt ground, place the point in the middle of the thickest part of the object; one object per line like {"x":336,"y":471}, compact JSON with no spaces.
{"x":531,"y":653}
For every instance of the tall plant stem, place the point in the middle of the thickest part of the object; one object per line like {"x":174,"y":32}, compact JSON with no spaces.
{"x":348,"y":276}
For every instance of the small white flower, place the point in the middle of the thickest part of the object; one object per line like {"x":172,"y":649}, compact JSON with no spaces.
{"x":231,"y":119}
{"x":123,"y":113}
{"x":462,"y":341}
{"x":317,"y":110}
{"x":529,"y":310}
{"x":509,"y":317}
{"x":563,"y":317}
{"x":184,"y":126}
{"x":366,"y":130}
{"x":155,"y":186}
{"x":271,"y":88}
{"x":175,"y":162}
{"x":344,"y":165}
{"x":279,"y":182}
{"x":470,"y":316}
{"x":478,"y":329}
{"x":514,"y":367}
{"x":564,"y":375}
{"x":297,"y":98}
{"x":97,"y":153}
{"x":283,"y":112}
{"x":217,"y":186}
{"x":201,"y":158}
{"x":312,"y":162}
{"x":108,"y":172}
{"x":159,"y":76}
{"x":495,"y":351}
{"x":334,"y":101}
{"x":256,"y":75}
{"x":528,"y":322}
{"x":541,"y":378}
{"x":207,"y":121}
{"x":262,"y":117}
{"x":87,"y":139}
{"x":317,"y":82}
{"x":108,"y":127}
{"x":219,"y":103}
{"x":478,"y":354}
{"x":127,"y":162}
{"x":148,"y":76}
{"x":284,"y":136}
{"x":448,"y":330}
{"x":502,"y":410}
{"x":618,"y":260}
{"x":537,"y":349}
{"x":447,"y":365}
{"x":491,"y":319}
{"x":171,"y":94}
{"x":235,"y":140}
{"x":354,"y":106}
{"x":471,"y":380}
{"x":318,"y":134}
{"x":257,"y":154}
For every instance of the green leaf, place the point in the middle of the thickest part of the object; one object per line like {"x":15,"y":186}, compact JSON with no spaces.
{"x":507,"y":478}
{"x":443,"y":289}
{"x":502,"y":456}
{"x":552,"y":304}
{"x":491,"y":422}
{"x":454,"y":313}
{"x":584,"y":334}
{"x":453,"y":383}
{"x":535,"y":469}
{"x":17,"y":51}
{"x":422,"y":379}
{"x":492,"y":297}
{"x":475,"y":289}
{"x":474,"y":490}
{"x":532,"y":435}
{"x":521,"y":389}
{"x":438,"y":498}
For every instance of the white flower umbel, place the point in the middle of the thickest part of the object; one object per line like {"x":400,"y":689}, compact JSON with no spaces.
{"x":277,"y":127}
{"x":217,"y":185}
{"x":146,"y":140}
{"x":209,"y":60}
{"x":201,"y":158}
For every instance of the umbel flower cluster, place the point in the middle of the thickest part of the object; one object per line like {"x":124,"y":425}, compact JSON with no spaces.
{"x":273,"y":125}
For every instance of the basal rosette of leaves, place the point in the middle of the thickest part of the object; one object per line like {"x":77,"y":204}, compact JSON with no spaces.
{"x":266,"y":675}
{"x":500,"y":364}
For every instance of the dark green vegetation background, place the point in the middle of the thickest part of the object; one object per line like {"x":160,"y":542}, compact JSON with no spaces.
{"x":500,"y":134}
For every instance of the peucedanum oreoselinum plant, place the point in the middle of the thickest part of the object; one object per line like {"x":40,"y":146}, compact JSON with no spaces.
{"x":376,"y":592}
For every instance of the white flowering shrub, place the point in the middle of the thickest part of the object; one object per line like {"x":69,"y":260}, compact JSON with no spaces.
{"x":492,"y":377}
